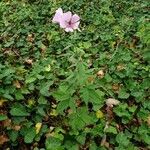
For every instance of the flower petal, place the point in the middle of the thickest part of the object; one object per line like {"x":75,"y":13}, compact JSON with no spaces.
{"x":59,"y":10}
{"x":65,"y":19}
{"x":69,"y":30}
{"x":58,"y":16}
{"x":63,"y":23}
{"x":75,"y":25}
{"x":67,"y":16}
{"x":75,"y":18}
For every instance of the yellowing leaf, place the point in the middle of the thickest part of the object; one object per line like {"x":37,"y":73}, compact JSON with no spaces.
{"x":113,"y":44}
{"x":17,"y":84}
{"x":148,"y":120}
{"x":99,"y":114}
{"x":2,"y":101}
{"x":120,"y":67}
{"x":38,"y":127}
{"x":54,"y":105}
{"x":53,"y":112}
{"x":52,"y":134}
{"x":48,"y":68}
{"x":31,"y":102}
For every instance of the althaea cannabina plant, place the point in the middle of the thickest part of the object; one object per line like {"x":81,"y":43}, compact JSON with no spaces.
{"x":67,"y":20}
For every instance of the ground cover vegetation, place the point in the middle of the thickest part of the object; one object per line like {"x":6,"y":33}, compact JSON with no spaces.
{"x":81,"y":90}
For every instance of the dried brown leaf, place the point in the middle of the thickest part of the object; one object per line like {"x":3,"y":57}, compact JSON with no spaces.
{"x":6,"y":123}
{"x":29,"y":61}
{"x":116,"y":88}
{"x":3,"y":139}
{"x":120,"y":67}
{"x":111,"y":102}
{"x":16,"y":127}
{"x":100,"y":74}
{"x":30,"y":38}
{"x":17,"y":84}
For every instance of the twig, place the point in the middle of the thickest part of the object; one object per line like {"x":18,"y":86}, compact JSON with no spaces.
{"x":115,"y":51}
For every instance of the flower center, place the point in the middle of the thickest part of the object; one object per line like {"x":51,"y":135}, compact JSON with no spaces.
{"x":69,"y":22}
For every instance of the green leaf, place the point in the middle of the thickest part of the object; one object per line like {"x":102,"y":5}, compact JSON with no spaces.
{"x":13,"y":135}
{"x":93,"y":146}
{"x":18,"y":95}
{"x":143,"y":113}
{"x":108,"y":78}
{"x":71,"y":145}
{"x":53,"y":144}
{"x":132,"y":109}
{"x":121,"y":110}
{"x":61,"y":96}
{"x":123,"y":94}
{"x":62,"y":105}
{"x":41,"y":110}
{"x":19,"y":110}
{"x":3,"y":117}
{"x":62,"y":93}
{"x":143,"y":134}
{"x":44,"y":88}
{"x":81,"y":138}
{"x":87,"y":45}
{"x":81,"y":118}
{"x":89,"y":94}
{"x":42,"y":100}
{"x":122,"y":139}
{"x":30,"y":79}
{"x":30,"y":135}
{"x":111,"y":129}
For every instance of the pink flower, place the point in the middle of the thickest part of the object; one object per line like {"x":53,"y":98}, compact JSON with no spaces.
{"x":58,"y":16}
{"x":66,"y":20}
{"x":69,"y":22}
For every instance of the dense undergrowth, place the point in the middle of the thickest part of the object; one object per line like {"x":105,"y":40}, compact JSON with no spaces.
{"x":54,"y":85}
